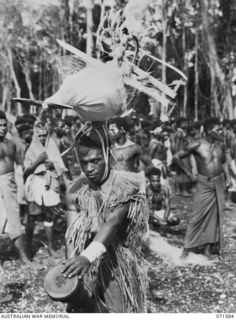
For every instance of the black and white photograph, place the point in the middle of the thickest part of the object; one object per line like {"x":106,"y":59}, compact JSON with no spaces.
{"x":117,"y":157}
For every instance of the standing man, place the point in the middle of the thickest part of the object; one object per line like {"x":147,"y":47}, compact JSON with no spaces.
{"x":43,"y":168}
{"x":127,"y":153}
{"x":25,"y":130}
{"x":106,"y":234}
{"x":9,"y":215}
{"x":205,"y":222}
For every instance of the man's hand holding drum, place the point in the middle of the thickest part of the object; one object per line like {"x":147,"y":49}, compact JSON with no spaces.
{"x":76,"y":266}
{"x":80,"y":264}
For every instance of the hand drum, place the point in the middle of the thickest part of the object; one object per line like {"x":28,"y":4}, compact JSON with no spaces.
{"x":57,"y":286}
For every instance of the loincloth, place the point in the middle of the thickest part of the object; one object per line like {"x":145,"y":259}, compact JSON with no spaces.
{"x":43,"y":189}
{"x":9,"y":216}
{"x":205,"y":222}
{"x":20,"y":185}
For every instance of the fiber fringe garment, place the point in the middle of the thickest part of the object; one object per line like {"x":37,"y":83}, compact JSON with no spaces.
{"x":9,"y":212}
{"x":205,"y":222}
{"x":123,"y":260}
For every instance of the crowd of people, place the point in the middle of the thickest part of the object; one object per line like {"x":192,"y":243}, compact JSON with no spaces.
{"x":112,"y":185}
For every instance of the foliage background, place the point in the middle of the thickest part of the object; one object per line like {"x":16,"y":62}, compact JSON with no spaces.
{"x":197,"y":36}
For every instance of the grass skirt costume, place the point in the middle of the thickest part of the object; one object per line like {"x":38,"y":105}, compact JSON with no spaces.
{"x":117,"y":281}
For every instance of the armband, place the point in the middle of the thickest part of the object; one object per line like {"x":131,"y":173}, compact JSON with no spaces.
{"x":48,"y":224}
{"x":94,"y":251}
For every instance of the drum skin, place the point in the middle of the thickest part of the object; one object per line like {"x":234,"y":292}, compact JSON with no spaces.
{"x":57,"y":286}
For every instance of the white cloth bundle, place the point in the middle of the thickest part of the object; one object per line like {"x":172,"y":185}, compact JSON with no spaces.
{"x":96,"y":93}
{"x":36,"y":191}
{"x":42,"y":186}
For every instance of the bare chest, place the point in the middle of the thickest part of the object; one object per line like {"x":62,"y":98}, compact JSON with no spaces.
{"x":211,"y":153}
{"x":6,"y":151}
{"x":124,"y":154}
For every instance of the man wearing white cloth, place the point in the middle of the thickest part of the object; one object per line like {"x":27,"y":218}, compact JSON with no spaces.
{"x":9,"y":208}
{"x":43,"y":170}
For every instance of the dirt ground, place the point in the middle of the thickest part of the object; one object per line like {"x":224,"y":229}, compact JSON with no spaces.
{"x":172,"y":288}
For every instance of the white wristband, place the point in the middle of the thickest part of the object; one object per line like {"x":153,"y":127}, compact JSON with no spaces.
{"x":94,"y":251}
{"x":48,"y":224}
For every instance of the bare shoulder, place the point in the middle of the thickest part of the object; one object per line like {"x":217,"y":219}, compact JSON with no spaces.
{"x":194,"y":145}
{"x":135,"y":149}
{"x":138,"y":148}
{"x":166,"y":190}
{"x":76,"y":185}
{"x":10,"y":144}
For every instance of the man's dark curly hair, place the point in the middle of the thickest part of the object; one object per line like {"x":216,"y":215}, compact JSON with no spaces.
{"x":210,"y":123}
{"x":3,"y":115}
{"x":92,"y":140}
{"x":153,"y":172}
{"x":121,"y":123}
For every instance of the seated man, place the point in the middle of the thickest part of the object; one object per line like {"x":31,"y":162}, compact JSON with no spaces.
{"x":43,"y":169}
{"x":159,"y":198}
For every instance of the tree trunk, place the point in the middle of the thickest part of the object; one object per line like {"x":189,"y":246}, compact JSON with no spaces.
{"x":4,"y":96}
{"x":164,"y":26}
{"x":218,"y":86}
{"x":26,"y":69}
{"x":29,"y":85}
{"x":184,"y":111}
{"x":196,"y":75}
{"x":65,"y":18}
{"x":164,"y":109}
{"x":89,"y":44}
{"x":14,"y":78}
{"x":229,"y":105}
{"x":40,"y":81}
{"x":212,"y":96}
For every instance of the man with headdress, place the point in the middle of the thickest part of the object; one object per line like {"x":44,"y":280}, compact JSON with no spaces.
{"x":205,"y":221}
{"x":104,"y":237}
{"x":43,"y":168}
{"x":9,"y":213}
